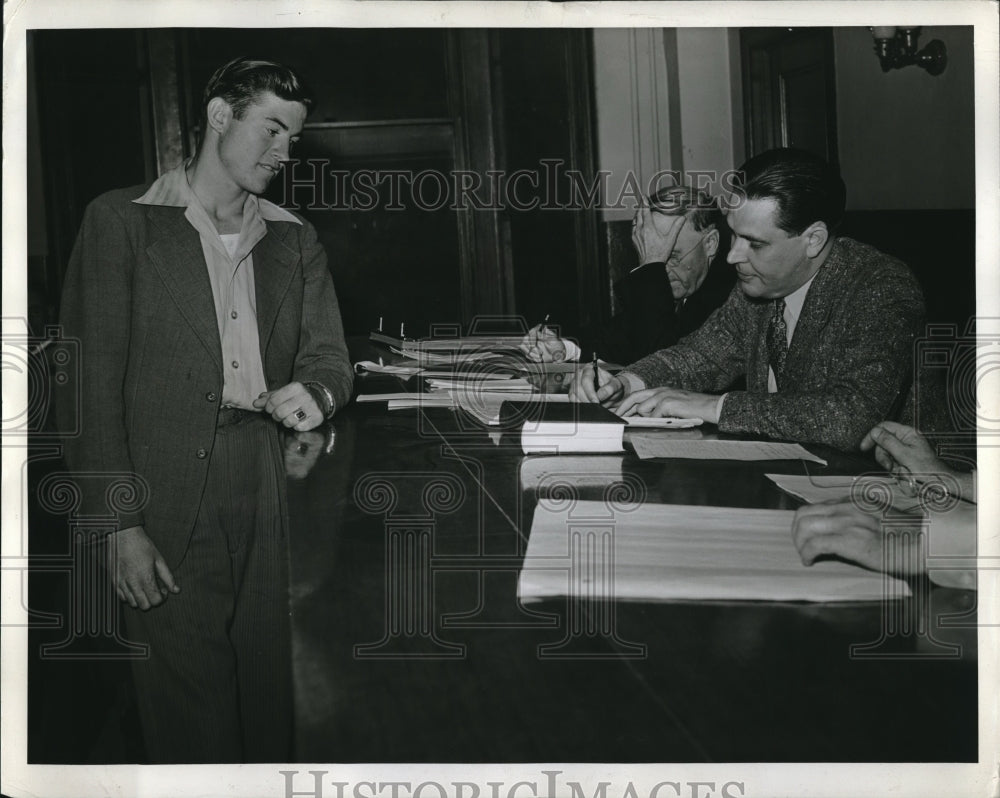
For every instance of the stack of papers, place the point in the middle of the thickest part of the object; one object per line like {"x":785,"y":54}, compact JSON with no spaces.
{"x":382,"y":368}
{"x":484,"y":406}
{"x":660,"y":552}
{"x":450,"y":358}
{"x":493,"y":383}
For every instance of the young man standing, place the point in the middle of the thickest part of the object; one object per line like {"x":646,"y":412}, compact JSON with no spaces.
{"x":205,"y":315}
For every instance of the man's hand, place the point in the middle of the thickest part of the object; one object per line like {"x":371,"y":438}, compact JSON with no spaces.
{"x":543,"y":346}
{"x":654,"y":235}
{"x":140,"y":573}
{"x":671,"y":402}
{"x":582,"y":389}
{"x":899,"y":447}
{"x":844,"y":530}
{"x":904,"y":452}
{"x":292,"y":405}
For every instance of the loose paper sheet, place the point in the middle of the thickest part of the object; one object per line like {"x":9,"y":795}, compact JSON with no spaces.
{"x":659,"y":552}
{"x":815,"y":489}
{"x":666,"y":446}
{"x":385,"y":397}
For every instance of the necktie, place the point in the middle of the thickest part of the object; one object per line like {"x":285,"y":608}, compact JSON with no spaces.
{"x":777,"y":341}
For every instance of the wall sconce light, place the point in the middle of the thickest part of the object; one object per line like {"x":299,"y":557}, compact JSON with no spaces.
{"x":897,"y":48}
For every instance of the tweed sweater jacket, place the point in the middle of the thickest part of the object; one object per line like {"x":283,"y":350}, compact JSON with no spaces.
{"x":849,"y":360}
{"x":138,"y":297}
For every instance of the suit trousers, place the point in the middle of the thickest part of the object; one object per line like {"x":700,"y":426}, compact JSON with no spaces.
{"x":216,"y":685}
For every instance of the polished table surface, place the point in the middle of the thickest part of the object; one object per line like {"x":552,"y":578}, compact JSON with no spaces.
{"x":410,"y":645}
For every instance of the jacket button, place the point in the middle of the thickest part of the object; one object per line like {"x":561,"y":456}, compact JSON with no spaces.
{"x":211,"y":397}
{"x":202,"y":454}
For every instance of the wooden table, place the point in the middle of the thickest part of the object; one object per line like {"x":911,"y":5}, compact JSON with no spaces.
{"x":409,"y":644}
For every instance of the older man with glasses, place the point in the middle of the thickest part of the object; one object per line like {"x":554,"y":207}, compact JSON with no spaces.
{"x":682,"y":276}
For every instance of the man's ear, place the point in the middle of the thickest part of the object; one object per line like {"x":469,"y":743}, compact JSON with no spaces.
{"x":218,"y":114}
{"x":816,"y":236}
{"x":711,"y":243}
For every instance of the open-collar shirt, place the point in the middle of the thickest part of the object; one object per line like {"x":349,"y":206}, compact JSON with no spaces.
{"x":229,"y":260}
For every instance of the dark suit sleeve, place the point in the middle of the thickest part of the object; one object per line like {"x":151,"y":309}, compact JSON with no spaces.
{"x":96,"y":309}
{"x":322,"y":354}
{"x":646,"y":323}
{"x":860,"y":369}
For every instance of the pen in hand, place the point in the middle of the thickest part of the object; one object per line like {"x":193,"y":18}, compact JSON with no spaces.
{"x":597,"y":380}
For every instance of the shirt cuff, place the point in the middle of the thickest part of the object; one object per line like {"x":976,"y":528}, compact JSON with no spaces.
{"x":572,"y":350}
{"x":718,"y":407}
{"x":632,"y":382}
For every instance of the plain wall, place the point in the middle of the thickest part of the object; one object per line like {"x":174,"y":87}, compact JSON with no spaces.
{"x":709,"y":101}
{"x":906,"y":139}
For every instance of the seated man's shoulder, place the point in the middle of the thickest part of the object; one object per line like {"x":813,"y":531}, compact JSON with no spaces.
{"x":871,"y":266}
{"x":861,"y":255}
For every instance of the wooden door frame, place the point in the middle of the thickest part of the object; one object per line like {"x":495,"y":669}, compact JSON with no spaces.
{"x":762,"y":120}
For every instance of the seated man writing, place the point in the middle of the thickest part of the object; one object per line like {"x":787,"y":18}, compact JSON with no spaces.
{"x":820,"y":328}
{"x":682,"y":276}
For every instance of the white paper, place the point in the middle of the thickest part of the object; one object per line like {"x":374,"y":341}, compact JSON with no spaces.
{"x":667,"y":446}
{"x":661,"y":552}
{"x":815,"y":489}
{"x":484,"y":406}
{"x":381,"y":368}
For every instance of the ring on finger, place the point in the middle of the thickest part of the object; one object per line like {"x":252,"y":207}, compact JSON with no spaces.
{"x":300,"y":414}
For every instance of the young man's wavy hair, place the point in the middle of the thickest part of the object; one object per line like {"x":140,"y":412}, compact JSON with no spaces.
{"x":241,"y":81}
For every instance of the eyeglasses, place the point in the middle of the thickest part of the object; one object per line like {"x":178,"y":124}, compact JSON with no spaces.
{"x":679,"y":258}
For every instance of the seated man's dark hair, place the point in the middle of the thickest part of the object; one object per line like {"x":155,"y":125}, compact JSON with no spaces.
{"x":805,"y":187}
{"x":244,"y":79}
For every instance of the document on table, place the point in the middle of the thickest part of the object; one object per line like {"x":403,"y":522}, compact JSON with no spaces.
{"x":385,"y":397}
{"x":372,"y":367}
{"x":403,"y":399}
{"x":424,"y":400}
{"x":648,"y":446}
{"x":665,"y":552}
{"x":867,"y":489}
{"x":465,"y":375}
{"x":476,"y":384}
{"x":428,"y":358}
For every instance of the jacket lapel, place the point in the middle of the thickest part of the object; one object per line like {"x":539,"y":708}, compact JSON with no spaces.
{"x":177,"y":255}
{"x":273,"y":267}
{"x":813,"y":318}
